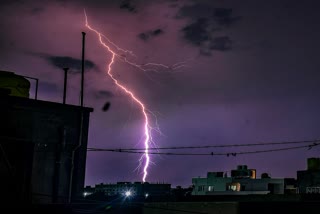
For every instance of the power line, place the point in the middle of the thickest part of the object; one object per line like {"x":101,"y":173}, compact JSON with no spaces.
{"x":214,"y":146}
{"x":310,"y":146}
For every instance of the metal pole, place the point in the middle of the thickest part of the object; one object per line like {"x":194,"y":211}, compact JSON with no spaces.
{"x":36,"y":96}
{"x":65,"y":85}
{"x":81,"y":124}
{"x":82,"y":68}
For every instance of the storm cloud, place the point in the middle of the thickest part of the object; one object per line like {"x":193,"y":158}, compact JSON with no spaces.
{"x":206,"y":21}
{"x":150,"y":34}
{"x":224,"y":16}
{"x":222,"y":43}
{"x":197,"y":32}
{"x":70,"y":62}
{"x":127,"y":5}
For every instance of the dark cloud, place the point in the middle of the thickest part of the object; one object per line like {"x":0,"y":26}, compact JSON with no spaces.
{"x":206,"y":19}
{"x":197,"y":32}
{"x":222,"y":43}
{"x":143,"y":36}
{"x":223,"y":16}
{"x":220,"y":16}
{"x":157,"y":32}
{"x":149,"y":34}
{"x":127,"y":5}
{"x":195,"y":11}
{"x":72,"y":63}
{"x":104,"y":94}
{"x":10,"y":2}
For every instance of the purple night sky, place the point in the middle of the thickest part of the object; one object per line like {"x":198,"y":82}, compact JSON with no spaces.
{"x":252,"y":75}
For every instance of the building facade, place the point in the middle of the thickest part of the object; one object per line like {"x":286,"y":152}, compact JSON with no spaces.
{"x":43,"y":149}
{"x":308,"y":181}
{"x":138,"y":189}
{"x":243,"y":181}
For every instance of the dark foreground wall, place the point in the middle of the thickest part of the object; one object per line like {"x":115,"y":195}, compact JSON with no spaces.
{"x":233,"y":207}
{"x":37,"y":140}
{"x":172,"y":208}
{"x":279,"y":207}
{"x":191,"y":207}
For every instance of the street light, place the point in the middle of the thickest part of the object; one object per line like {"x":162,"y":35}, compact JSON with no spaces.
{"x":128,"y":193}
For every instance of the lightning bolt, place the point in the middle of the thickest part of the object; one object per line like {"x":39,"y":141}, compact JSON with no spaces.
{"x":144,"y":67}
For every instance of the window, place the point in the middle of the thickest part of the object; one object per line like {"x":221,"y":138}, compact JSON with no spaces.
{"x":201,"y":188}
{"x":211,"y":188}
{"x":233,"y":187}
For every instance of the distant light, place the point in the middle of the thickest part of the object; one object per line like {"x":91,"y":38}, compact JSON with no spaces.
{"x":128,"y":193}
{"x":147,"y":195}
{"x":85,"y":194}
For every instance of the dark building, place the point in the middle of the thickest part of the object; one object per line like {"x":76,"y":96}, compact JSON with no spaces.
{"x":243,"y":181}
{"x":136,"y":189}
{"x":290,"y":186}
{"x":42,"y":148}
{"x":308,"y":181}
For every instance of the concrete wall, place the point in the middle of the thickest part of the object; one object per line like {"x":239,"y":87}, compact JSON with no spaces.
{"x":200,"y":186}
{"x":307,"y":178}
{"x":274,"y":185}
{"x":211,"y":184}
{"x":38,"y":137}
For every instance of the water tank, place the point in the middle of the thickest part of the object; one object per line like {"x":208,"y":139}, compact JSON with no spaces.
{"x":14,"y":85}
{"x":242,"y":167}
{"x":214,"y":174}
{"x":253,"y":173}
{"x":313,"y":163}
{"x":265,"y":175}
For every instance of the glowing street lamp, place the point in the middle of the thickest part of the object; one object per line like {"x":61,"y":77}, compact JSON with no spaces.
{"x":128,"y":193}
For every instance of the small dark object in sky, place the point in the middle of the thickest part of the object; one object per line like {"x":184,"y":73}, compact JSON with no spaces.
{"x":106,"y":106}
